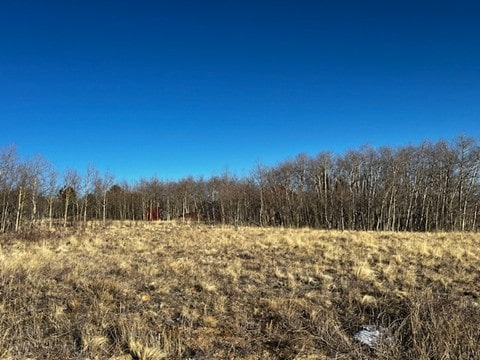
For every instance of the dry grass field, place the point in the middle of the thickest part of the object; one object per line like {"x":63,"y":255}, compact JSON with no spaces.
{"x":171,"y":291}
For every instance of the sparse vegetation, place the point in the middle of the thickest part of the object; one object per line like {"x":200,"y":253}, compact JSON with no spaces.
{"x":160,"y":290}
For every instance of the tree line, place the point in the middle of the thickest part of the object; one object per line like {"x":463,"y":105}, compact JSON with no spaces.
{"x":426,"y":187}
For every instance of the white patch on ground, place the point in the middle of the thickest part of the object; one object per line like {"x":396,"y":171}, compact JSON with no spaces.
{"x":371,"y":335}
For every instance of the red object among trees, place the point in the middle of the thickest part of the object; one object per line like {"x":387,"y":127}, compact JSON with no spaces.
{"x":152,"y":214}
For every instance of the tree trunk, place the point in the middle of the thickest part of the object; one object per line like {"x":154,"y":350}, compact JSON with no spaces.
{"x":4,"y":213}
{"x":67,"y":199}
{"x":50,"y":212}
{"x":85,"y":206}
{"x":19,"y":209}
{"x":104,"y":208}
{"x":261,"y":206}
{"x":34,"y":203}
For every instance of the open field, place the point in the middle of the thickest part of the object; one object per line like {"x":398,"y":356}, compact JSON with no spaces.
{"x":164,"y":290}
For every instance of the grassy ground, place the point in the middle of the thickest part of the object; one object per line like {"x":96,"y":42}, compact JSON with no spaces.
{"x":163,"y":290}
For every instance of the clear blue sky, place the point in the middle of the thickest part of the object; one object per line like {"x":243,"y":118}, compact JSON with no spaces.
{"x":177,"y":88}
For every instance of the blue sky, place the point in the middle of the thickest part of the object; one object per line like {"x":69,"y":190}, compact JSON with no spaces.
{"x":178,"y":88}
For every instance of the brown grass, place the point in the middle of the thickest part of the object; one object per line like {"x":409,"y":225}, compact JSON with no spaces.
{"x":167,"y":291}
